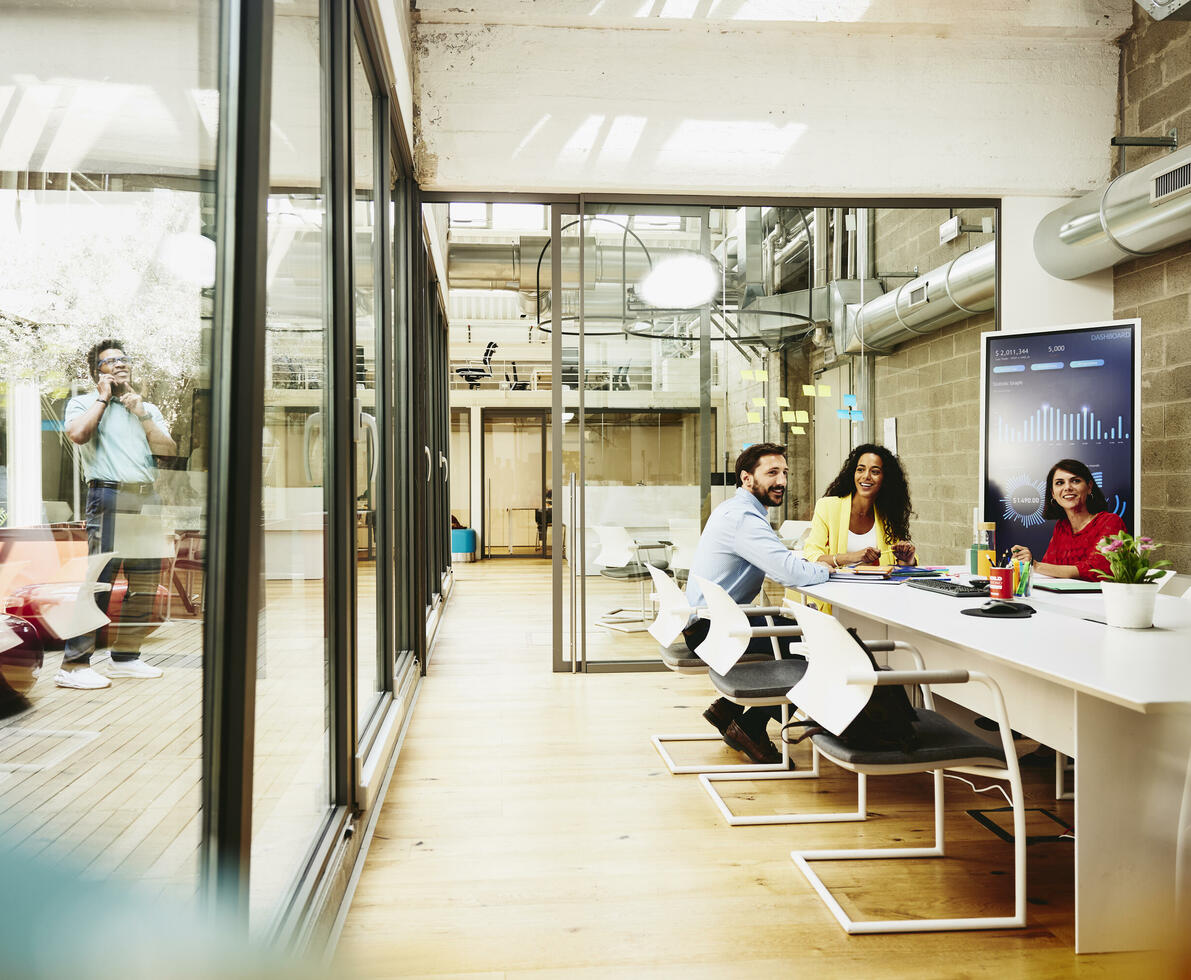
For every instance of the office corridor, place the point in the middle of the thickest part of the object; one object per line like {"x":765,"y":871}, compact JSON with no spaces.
{"x":531,"y":829}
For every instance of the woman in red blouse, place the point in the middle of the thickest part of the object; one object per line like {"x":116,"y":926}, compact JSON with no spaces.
{"x":1082,"y":519}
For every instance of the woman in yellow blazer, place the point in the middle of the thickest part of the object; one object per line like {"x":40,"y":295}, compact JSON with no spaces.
{"x":864,"y":518}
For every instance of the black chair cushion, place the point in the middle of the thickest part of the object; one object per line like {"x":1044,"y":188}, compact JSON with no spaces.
{"x":678,"y":656}
{"x":766,"y":678}
{"x":939,"y":741}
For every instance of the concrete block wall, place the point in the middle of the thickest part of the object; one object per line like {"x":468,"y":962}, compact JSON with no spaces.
{"x":931,"y":386}
{"x":1156,"y":97}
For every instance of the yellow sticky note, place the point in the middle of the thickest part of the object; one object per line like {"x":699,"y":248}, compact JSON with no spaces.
{"x":803,"y":417}
{"x":759,"y":402}
{"x":746,"y":374}
{"x":783,"y":402}
{"x":761,"y":375}
{"x":797,"y":430}
{"x":754,"y":416}
{"x":808,"y":390}
{"x":824,"y":391}
{"x":788,"y":417}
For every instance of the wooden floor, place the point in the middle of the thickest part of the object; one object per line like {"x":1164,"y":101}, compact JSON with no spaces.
{"x":531,"y":830}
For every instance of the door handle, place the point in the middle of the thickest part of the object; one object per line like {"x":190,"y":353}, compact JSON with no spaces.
{"x":446,"y":467}
{"x":429,"y":463}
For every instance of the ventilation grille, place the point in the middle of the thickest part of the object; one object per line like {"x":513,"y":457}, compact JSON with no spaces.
{"x":919,"y":294}
{"x":1171,"y":184}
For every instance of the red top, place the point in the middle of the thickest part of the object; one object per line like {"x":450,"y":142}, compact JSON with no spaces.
{"x":1067,"y":548}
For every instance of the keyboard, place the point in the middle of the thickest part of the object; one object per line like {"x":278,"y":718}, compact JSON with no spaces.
{"x":948,"y":587}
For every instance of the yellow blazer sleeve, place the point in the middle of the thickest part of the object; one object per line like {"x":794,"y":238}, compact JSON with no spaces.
{"x":824,"y":534}
{"x":884,"y":545}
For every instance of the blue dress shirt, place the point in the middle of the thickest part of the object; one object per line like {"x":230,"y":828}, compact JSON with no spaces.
{"x":739,"y":548}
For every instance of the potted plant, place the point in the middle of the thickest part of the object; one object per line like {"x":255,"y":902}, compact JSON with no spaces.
{"x":1131,"y":586}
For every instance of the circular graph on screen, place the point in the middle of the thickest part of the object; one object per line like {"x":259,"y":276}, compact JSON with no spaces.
{"x":1023,"y":501}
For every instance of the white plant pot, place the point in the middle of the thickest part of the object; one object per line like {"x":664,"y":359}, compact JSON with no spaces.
{"x":1129,"y":605}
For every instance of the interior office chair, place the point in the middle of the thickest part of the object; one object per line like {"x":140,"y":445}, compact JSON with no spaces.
{"x":474,"y":373}
{"x":794,"y":534}
{"x":620,"y":559}
{"x":836,"y":687}
{"x":761,"y":685}
{"x":514,"y":383}
{"x":673,"y":615}
{"x":684,"y":540}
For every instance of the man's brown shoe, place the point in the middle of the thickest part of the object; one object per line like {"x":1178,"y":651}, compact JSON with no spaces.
{"x":722,"y":713}
{"x":760,"y":750}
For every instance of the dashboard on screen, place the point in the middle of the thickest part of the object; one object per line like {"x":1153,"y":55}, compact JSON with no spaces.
{"x":1066,"y":393}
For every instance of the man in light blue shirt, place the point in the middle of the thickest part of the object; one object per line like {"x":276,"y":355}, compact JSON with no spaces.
{"x":118,"y":434}
{"x":737,"y":551}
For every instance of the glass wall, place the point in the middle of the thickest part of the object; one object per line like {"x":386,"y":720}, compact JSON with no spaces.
{"x":461,"y":466}
{"x":370,"y":666}
{"x":291,"y":784}
{"x":107,"y":229}
{"x":194,"y":618}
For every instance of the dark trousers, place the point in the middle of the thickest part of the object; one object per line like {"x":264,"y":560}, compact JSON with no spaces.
{"x":752,"y":720}
{"x":104,"y":507}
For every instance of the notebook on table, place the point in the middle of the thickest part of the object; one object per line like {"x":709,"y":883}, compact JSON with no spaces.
{"x":1065,"y":585}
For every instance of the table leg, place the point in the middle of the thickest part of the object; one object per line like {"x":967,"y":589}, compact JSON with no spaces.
{"x":1129,"y":770}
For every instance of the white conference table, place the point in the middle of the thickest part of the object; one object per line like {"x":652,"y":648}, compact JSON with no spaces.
{"x":1118,"y":701}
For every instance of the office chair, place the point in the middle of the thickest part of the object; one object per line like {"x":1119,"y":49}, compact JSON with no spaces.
{"x":514,"y":383}
{"x":620,"y":559}
{"x":474,"y":373}
{"x":673,"y":615}
{"x":761,"y":685}
{"x":684,"y":540}
{"x":835,"y":689}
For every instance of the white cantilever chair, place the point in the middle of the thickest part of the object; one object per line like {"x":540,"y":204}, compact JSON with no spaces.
{"x":67,"y":604}
{"x":760,"y":684}
{"x":794,"y":533}
{"x":620,"y":559}
{"x":673,"y":615}
{"x":834,"y":690}
{"x":684,"y":541}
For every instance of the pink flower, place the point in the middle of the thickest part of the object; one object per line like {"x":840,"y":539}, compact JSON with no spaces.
{"x":1146,"y":545}
{"x":1115,"y":544}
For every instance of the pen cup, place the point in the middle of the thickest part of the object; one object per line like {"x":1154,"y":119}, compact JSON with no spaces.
{"x":1021,"y":577}
{"x":1000,"y":583}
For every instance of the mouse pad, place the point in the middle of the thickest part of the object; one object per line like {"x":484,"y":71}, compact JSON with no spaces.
{"x":1021,"y":612}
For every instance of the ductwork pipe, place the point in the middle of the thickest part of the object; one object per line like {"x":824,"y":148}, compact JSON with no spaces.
{"x":964,"y":286}
{"x":1139,"y":213}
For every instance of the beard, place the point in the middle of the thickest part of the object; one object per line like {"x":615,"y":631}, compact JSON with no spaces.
{"x":770,"y":496}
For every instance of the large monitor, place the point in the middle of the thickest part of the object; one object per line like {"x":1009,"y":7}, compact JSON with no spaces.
{"x":1067,"y":392}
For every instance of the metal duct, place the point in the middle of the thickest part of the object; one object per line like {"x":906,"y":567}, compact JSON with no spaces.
{"x":962,"y":287}
{"x":1139,"y":213}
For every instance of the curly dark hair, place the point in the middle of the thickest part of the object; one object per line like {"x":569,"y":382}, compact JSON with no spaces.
{"x":96,"y":350}
{"x":1051,"y":511}
{"x":747,"y":461}
{"x":893,"y":499}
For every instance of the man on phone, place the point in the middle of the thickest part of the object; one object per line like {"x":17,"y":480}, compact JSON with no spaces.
{"x":118,"y":433}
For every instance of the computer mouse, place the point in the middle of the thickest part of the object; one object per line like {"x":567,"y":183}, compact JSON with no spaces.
{"x":1003,"y":607}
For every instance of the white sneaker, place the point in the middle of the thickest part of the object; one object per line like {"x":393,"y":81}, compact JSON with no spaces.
{"x":81,"y":678}
{"x":133,"y":668}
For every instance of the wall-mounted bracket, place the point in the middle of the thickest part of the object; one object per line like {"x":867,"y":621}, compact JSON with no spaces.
{"x":1170,"y":141}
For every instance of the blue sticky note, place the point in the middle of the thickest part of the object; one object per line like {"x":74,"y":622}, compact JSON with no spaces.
{"x":850,"y":401}
{"x":843,"y":413}
{"x":857,"y":415}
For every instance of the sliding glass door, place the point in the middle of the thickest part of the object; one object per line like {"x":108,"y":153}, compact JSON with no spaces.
{"x":633,"y":317}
